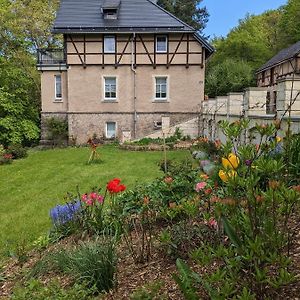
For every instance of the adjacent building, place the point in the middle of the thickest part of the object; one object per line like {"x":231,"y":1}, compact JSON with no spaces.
{"x":276,"y":96}
{"x":274,"y":74}
{"x":126,"y":67}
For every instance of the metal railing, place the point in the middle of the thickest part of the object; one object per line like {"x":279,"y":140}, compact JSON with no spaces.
{"x":50,"y":57}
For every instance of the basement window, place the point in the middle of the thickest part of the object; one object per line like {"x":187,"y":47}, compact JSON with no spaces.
{"x":110,"y":130}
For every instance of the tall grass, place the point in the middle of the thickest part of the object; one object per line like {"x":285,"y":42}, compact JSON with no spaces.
{"x":93,"y":263}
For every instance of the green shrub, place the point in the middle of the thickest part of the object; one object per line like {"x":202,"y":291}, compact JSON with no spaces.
{"x":151,"y":291}
{"x":179,"y":239}
{"x":17,"y":151}
{"x":57,"y":129}
{"x":94,"y":263}
{"x":292,"y":156}
{"x":35,"y":290}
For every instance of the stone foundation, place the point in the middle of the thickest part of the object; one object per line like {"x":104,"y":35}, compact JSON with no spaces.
{"x":83,"y":126}
{"x":44,"y":131}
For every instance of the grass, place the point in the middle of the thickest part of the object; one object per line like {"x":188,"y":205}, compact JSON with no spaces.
{"x":31,"y":186}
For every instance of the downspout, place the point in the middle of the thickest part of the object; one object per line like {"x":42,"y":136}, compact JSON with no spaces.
{"x":134,"y":85}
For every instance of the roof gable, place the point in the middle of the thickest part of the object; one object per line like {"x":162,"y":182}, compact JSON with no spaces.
{"x":282,"y":56}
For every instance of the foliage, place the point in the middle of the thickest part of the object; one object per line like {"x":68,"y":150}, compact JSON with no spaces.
{"x":289,"y":23}
{"x":253,"y":204}
{"x":35,"y":290}
{"x":57,"y":129}
{"x":165,"y":195}
{"x":179,"y":239}
{"x":292,"y":157}
{"x":17,"y":123}
{"x":186,"y":280}
{"x":151,"y":291}
{"x":5,"y":159}
{"x":230,"y":75}
{"x":249,"y":45}
{"x":66,"y":219}
{"x":19,"y":79}
{"x":188,"y":11}
{"x":17,"y":151}
{"x":93,"y":263}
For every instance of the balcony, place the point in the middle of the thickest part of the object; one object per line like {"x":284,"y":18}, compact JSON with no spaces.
{"x":51,"y":59}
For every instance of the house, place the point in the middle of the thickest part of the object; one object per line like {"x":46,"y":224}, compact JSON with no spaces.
{"x":127,"y":67}
{"x":283,"y":67}
{"x":277,"y":92}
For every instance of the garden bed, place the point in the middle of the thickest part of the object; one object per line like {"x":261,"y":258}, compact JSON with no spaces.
{"x":221,"y":225}
{"x":181,"y":145}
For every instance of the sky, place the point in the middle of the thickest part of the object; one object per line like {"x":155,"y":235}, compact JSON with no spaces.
{"x":225,"y":14}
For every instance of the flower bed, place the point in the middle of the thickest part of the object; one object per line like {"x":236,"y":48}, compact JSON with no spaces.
{"x":223,"y":225}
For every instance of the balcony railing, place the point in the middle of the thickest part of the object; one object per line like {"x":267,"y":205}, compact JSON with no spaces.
{"x":51,"y":57}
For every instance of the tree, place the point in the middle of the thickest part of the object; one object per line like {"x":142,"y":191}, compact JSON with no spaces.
{"x":290,"y":23}
{"x":25,"y":27}
{"x":189,"y":11}
{"x":248,"y":46}
{"x":229,"y":76}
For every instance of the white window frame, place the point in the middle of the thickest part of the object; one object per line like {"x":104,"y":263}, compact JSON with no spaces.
{"x":116,"y":130}
{"x":106,"y":37}
{"x":112,"y":99}
{"x":165,"y":99}
{"x":55,"y":87}
{"x":166,"y":43}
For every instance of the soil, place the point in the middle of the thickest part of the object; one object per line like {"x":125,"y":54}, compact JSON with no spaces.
{"x":131,"y":276}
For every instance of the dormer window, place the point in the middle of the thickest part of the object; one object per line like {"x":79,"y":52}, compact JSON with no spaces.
{"x":110,"y":9}
{"x":110,"y":14}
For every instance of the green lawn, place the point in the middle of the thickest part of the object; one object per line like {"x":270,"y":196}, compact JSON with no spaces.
{"x":30,"y":187}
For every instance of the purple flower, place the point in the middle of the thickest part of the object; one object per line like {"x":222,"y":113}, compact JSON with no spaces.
{"x":61,"y":214}
{"x":248,"y":162}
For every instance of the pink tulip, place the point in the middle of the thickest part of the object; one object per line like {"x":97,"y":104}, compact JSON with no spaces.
{"x":200,"y":186}
{"x":100,"y":199}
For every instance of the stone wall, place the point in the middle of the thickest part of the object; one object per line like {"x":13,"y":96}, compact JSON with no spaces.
{"x":84,"y":125}
{"x":251,"y":104}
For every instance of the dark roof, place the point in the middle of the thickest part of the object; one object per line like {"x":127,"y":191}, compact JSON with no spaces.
{"x":282,"y":56}
{"x":78,"y":16}
{"x":140,"y":15}
{"x":110,"y":4}
{"x":210,"y":49}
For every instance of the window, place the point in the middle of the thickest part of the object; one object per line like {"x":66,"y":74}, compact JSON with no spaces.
{"x":110,"y":88}
{"x":109,"y":44}
{"x":268,"y":103}
{"x":263,"y":76}
{"x":161,"y":88}
{"x":58,"y":89}
{"x":161,"y":43}
{"x":111,"y":130}
{"x":110,"y":14}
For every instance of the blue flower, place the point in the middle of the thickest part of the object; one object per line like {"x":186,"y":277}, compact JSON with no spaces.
{"x":62,"y":214}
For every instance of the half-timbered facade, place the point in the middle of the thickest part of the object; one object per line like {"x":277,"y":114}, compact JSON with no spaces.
{"x":282,"y":67}
{"x":125,"y":65}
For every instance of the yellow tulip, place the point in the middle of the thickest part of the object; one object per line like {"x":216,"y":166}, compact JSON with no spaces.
{"x":232,"y":162}
{"x":225,"y":175}
{"x":278,"y":139}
